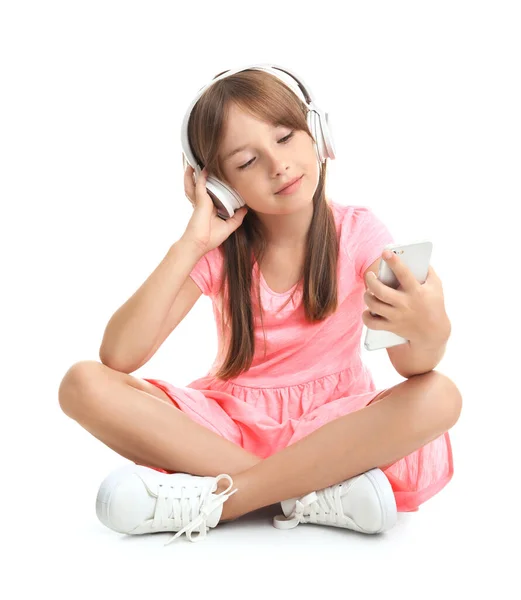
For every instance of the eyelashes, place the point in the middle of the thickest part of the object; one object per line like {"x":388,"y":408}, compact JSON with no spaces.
{"x":283,"y":140}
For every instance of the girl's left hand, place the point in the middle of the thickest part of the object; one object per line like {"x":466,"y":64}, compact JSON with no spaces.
{"x":414,"y":311}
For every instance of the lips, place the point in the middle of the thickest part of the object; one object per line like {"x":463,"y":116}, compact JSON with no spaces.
{"x":291,"y":182}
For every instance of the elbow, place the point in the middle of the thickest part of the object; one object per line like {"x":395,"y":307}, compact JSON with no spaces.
{"x":112,"y":362}
{"x":104,"y":357}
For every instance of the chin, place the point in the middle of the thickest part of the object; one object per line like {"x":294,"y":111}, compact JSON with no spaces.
{"x":296,"y":204}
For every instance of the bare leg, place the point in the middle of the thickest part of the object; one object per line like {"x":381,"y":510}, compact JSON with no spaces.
{"x":412,"y":414}
{"x":138,"y":421}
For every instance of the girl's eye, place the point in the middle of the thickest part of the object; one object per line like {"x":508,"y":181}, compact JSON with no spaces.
{"x":284,"y":140}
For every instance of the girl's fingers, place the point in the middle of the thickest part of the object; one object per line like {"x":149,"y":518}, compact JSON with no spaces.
{"x":189,"y":184}
{"x":202,"y":176}
{"x":191,"y":189}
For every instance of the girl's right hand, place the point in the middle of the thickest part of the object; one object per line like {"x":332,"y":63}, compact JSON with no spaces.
{"x":206,"y":229}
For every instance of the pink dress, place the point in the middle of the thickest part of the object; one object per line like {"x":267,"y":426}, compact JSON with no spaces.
{"x":312,"y":373}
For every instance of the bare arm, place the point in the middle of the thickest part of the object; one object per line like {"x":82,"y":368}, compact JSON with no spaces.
{"x":132,"y":331}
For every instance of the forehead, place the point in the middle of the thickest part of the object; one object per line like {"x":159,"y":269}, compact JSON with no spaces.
{"x":237,"y":119}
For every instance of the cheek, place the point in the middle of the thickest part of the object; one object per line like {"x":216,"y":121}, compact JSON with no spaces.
{"x":314,"y":165}
{"x":314,"y":174}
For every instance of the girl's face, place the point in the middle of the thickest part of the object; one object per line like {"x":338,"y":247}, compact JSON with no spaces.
{"x":268,"y":161}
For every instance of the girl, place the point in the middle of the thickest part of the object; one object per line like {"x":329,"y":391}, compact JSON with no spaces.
{"x":287,"y":409}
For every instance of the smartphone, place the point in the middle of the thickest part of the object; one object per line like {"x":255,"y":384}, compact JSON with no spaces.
{"x":416,"y":256}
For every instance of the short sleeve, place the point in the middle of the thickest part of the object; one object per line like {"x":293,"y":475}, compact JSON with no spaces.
{"x":364,"y":237}
{"x":207,"y":272}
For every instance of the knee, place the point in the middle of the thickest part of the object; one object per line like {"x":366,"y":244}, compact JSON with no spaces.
{"x":76,"y":385}
{"x":443,"y":400}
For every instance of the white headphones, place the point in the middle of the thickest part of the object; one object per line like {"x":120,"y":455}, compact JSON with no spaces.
{"x":225,"y":198}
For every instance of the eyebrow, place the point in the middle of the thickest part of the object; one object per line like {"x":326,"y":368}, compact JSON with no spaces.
{"x":233,"y":152}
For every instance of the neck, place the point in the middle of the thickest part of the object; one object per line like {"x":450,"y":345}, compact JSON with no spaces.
{"x":287,"y":231}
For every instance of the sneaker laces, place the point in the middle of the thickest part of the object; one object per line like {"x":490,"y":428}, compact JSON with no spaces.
{"x":323,"y":507}
{"x":175,"y":510}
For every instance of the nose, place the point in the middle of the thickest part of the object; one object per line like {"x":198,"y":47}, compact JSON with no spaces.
{"x":278,"y":164}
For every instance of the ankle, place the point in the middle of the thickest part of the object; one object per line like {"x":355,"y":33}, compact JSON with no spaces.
{"x":231,"y":507}
{"x":222,"y":486}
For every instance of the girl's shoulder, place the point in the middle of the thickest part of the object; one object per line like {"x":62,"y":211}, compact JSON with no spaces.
{"x":348,"y":216}
{"x":362,"y":234}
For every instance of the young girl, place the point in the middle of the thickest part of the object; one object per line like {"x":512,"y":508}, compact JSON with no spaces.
{"x":288,"y":412}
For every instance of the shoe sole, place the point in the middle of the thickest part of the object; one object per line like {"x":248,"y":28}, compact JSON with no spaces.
{"x":386,"y":498}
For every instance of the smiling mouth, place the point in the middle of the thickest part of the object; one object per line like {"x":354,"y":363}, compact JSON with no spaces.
{"x":290,"y":184}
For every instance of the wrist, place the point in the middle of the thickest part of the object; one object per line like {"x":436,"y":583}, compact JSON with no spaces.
{"x":439,"y":338}
{"x":190,"y":246}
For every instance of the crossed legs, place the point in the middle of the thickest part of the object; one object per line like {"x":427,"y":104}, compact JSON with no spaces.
{"x":139,"y":422}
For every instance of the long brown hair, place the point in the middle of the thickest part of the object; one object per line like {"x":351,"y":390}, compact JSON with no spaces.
{"x":266,"y":97}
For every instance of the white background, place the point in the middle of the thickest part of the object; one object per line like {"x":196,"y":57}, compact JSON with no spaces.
{"x":424,"y":100}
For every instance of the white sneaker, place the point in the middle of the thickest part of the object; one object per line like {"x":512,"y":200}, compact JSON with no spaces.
{"x":365,"y":503}
{"x":135,"y":499}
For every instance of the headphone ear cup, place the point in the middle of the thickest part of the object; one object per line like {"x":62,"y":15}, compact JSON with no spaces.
{"x":225,"y":198}
{"x":327,"y":134}
{"x":318,"y":125}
